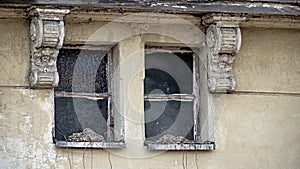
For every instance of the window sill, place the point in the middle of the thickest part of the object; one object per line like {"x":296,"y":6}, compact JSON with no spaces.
{"x":90,"y":144}
{"x":180,"y":146}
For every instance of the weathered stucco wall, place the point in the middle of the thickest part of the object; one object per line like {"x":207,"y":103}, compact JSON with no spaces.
{"x":14,"y":52}
{"x":269,"y":61}
{"x":257,"y":127}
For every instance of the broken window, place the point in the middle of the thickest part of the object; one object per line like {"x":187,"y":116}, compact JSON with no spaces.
{"x":171,"y":99}
{"x":84,"y":115}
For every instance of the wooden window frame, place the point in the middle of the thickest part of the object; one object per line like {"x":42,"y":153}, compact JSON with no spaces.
{"x":109,"y":143}
{"x":197,"y":143}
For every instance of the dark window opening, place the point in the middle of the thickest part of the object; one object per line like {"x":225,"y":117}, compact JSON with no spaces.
{"x":83,"y":96}
{"x":170,"y":89}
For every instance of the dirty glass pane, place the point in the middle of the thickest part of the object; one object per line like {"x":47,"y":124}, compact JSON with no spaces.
{"x":171,"y":73}
{"x":159,"y":82}
{"x":73,"y":115}
{"x":168,"y":118}
{"x":82,"y":71}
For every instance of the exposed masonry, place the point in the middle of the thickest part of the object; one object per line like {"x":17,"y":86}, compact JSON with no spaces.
{"x":223,"y":38}
{"x":47,"y":35}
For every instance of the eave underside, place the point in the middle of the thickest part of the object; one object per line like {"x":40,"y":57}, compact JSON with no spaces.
{"x":268,"y":7}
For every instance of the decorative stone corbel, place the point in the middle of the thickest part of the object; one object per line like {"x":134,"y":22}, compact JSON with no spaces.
{"x":223,"y":37}
{"x":47,"y":35}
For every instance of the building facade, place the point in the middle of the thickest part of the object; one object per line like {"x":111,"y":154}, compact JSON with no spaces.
{"x":244,"y":80}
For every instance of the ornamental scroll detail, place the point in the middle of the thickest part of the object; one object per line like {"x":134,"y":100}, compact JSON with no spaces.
{"x":47,"y":35}
{"x":223,"y":37}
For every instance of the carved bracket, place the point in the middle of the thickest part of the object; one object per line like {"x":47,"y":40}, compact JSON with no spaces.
{"x":223,"y":37}
{"x":47,"y":35}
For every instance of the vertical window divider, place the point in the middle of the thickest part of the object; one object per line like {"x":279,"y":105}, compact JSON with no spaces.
{"x":109,"y":92}
{"x":196,"y":93}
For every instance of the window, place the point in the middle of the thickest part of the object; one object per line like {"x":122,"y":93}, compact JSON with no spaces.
{"x":172,"y":99}
{"x":84,"y":113}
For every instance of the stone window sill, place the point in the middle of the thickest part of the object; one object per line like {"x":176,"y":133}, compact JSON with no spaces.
{"x":90,"y":144}
{"x":180,"y":146}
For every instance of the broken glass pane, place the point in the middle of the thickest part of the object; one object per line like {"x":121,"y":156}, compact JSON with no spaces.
{"x":73,"y":115}
{"x":172,"y":73}
{"x":82,"y":71}
{"x":168,"y":118}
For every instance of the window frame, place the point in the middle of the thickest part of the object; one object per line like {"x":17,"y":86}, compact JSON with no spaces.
{"x":195,"y":97}
{"x":109,"y":143}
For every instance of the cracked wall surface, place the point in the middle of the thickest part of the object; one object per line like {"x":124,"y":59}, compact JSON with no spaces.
{"x":255,"y":127}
